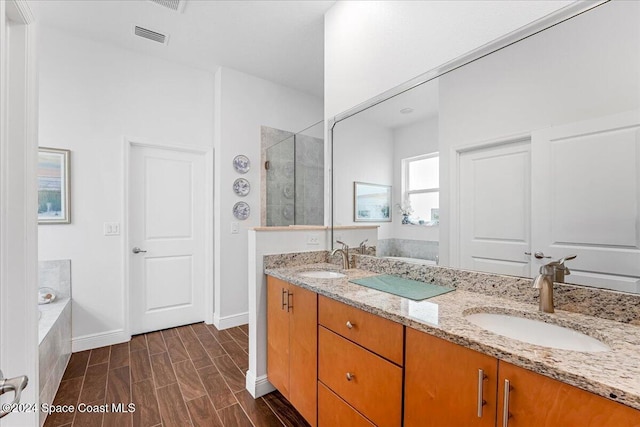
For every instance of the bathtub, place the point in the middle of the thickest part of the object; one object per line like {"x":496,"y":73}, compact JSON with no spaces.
{"x":54,"y":329}
{"x":412,"y":260}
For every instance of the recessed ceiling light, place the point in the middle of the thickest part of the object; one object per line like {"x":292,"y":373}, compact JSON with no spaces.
{"x":407,"y":110}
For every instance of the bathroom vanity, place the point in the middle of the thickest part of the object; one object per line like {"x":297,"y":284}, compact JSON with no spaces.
{"x":388,"y":361}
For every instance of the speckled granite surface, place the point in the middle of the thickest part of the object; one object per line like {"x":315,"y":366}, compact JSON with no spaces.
{"x":614,"y":374}
{"x":607,"y":304}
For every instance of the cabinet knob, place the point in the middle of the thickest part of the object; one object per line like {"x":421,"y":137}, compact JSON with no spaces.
{"x":349,"y":325}
{"x":350,"y":376}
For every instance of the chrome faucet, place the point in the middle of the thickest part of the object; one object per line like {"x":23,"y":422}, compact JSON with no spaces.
{"x":549,"y":273}
{"x":345,"y":254}
{"x":363,"y":247}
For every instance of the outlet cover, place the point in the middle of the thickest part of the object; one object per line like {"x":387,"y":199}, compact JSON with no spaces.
{"x":313,"y":239}
{"x":235,"y":227}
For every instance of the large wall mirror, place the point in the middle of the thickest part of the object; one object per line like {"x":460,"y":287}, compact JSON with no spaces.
{"x":524,"y":156}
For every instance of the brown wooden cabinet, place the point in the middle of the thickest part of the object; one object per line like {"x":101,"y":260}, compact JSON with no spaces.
{"x":360,"y":363}
{"x":292,"y":344}
{"x":536,"y":400}
{"x":442,"y":388}
{"x":447,"y":384}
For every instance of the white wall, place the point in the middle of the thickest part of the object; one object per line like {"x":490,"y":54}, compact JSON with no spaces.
{"x":583,"y":68}
{"x":91,"y":96}
{"x":243,"y":104}
{"x":364,"y":153}
{"x":373,"y":46}
{"x":410,"y":141}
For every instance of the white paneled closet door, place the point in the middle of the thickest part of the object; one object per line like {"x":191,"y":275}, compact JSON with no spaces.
{"x":586,"y":199}
{"x":167,"y":229}
{"x":494,"y":206}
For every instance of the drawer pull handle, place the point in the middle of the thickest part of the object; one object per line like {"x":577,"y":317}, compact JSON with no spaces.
{"x":349,"y":325}
{"x":350,"y":376}
{"x":505,"y":404}
{"x":481,"y":401}
{"x":289,"y":301}
{"x":284,"y":303}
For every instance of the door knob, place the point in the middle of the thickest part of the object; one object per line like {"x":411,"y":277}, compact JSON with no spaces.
{"x":538,"y":255}
{"x":16,"y":385}
{"x":137,"y":250}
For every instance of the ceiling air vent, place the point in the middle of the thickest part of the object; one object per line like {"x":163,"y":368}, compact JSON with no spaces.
{"x":175,"y":5}
{"x":150,"y":35}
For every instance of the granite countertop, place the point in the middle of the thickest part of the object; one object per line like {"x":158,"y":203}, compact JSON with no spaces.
{"x":613,"y":374}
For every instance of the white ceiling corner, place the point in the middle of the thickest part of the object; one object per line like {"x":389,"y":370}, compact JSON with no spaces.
{"x":280,"y":41}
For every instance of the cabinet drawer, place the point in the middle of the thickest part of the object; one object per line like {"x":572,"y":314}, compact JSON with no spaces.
{"x":382,"y":336}
{"x":375,"y":384}
{"x":335,"y":412}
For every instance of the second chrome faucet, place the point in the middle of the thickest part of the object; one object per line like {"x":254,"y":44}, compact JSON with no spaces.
{"x":550,"y":273}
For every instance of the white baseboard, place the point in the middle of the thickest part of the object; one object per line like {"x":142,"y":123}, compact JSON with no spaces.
{"x":230,"y":321}
{"x":102,"y":339}
{"x":258,"y":386}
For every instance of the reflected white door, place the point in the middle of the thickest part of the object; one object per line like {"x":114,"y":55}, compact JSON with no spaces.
{"x":586,"y":199}
{"x":166,"y":224}
{"x":494,"y":206}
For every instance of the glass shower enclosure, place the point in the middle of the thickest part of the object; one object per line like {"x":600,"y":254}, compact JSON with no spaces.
{"x":294,"y":167}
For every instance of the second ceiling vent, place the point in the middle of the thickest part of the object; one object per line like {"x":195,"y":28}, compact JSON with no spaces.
{"x":176,"y":5}
{"x":150,"y":34}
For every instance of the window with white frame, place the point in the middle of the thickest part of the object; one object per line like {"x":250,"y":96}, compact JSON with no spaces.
{"x":421,"y":188}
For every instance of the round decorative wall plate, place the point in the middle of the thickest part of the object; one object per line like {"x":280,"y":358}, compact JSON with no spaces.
{"x":241,"y":211}
{"x":241,"y":164}
{"x":241,"y":187}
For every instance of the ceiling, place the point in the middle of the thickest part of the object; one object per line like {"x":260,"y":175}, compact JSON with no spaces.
{"x":423,"y":101}
{"x":280,"y":41}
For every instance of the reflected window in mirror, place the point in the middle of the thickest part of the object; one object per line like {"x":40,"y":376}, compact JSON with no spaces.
{"x":421,"y":190}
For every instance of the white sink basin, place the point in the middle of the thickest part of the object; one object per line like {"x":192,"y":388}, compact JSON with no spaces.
{"x":322,"y":274}
{"x":537,"y":332}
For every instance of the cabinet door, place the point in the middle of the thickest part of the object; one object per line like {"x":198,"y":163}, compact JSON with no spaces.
{"x":303,"y":351}
{"x":442,"y":386}
{"x":536,"y":400}
{"x":278,"y":335}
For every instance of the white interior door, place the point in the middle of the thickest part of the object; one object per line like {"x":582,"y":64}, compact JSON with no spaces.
{"x":167,"y":224}
{"x":586,"y":199}
{"x":18,"y":216}
{"x":494,"y":206}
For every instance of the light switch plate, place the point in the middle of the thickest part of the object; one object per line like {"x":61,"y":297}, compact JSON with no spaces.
{"x":235,"y":227}
{"x":111,"y":228}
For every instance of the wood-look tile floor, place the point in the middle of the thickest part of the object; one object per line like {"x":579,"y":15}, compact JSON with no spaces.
{"x":187,"y":376}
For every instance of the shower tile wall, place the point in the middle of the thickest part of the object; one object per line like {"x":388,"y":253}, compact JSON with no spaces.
{"x":421,"y":249}
{"x":309,"y":180}
{"x":281,"y":184}
{"x":293,"y":187}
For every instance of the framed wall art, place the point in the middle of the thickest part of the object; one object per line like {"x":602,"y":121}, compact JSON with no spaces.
{"x":54,"y":196}
{"x":371,"y":202}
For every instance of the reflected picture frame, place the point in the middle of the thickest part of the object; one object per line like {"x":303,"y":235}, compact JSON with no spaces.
{"x":371,"y":202}
{"x":54,"y":195}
